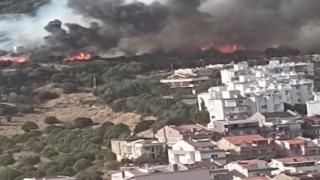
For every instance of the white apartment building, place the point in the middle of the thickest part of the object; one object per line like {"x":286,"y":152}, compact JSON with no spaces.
{"x":298,"y":164}
{"x":193,"y":151}
{"x":263,"y":89}
{"x":250,"y":168}
{"x":313,"y":106}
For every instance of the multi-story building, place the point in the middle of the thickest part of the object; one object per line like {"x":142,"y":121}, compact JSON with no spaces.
{"x":161,"y":172}
{"x":247,"y":147}
{"x":297,"y":164}
{"x":172,"y":134}
{"x":312,"y":175}
{"x":298,"y":146}
{"x":264,"y":89}
{"x":313,"y":106}
{"x":135,"y":148}
{"x":196,"y":150}
{"x":312,"y":127}
{"x":236,"y":127}
{"x":184,"y":78}
{"x":53,"y":178}
{"x":250,"y":168}
{"x":223,"y":104}
{"x":285,"y":124}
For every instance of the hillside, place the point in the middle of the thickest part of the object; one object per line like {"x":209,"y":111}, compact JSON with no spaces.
{"x":68,"y":107}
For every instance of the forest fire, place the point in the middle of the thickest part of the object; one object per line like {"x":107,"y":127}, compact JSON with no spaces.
{"x":16,"y":59}
{"x":79,"y":57}
{"x":223,"y":49}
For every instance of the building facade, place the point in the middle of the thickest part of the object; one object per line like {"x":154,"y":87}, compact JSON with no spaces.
{"x":285,"y":124}
{"x":247,"y":147}
{"x":298,"y":146}
{"x":170,"y":135}
{"x":195,"y":150}
{"x":133,"y":149}
{"x":264,"y":89}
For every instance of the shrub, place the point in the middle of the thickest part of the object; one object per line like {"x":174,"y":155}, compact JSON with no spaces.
{"x":51,"y":120}
{"x":32,"y":160}
{"x":143,"y":126}
{"x":82,"y":122}
{"x":81,"y":164}
{"x":69,"y":88}
{"x":6,"y":160}
{"x":49,"y":152}
{"x":47,"y":95}
{"x":113,"y":165}
{"x":26,"y":109}
{"x":28,"y":126}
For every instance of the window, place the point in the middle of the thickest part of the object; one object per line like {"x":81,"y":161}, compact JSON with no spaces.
{"x":214,"y":156}
{"x":264,"y":107}
{"x":299,"y":100}
{"x":287,"y":92}
{"x":240,"y":101}
{"x":297,"y":87}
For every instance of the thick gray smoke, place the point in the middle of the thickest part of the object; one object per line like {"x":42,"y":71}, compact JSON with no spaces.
{"x":139,"y":26}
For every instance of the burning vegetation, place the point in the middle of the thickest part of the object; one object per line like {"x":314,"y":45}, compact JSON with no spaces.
{"x":78,"y":57}
{"x":138,"y":27}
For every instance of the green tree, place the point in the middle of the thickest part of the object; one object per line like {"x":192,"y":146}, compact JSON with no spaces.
{"x":49,"y":152}
{"x":32,"y":160}
{"x":6,"y":160}
{"x":143,"y":126}
{"x":81,"y":164}
{"x":9,"y":174}
{"x":82,"y":122}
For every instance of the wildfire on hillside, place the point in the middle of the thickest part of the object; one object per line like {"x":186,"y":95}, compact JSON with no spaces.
{"x":16,"y":59}
{"x":81,"y":56}
{"x":223,"y":49}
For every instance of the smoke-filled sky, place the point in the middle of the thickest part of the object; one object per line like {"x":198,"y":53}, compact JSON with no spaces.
{"x":139,"y":26}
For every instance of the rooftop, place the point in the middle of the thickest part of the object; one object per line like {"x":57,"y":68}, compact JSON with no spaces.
{"x":285,"y":114}
{"x":296,"y":140}
{"x":252,"y":162}
{"x":293,"y":159}
{"x":189,"y":128}
{"x":201,"y":143}
{"x":249,"y":139}
{"x":257,"y":178}
{"x":315,"y":120}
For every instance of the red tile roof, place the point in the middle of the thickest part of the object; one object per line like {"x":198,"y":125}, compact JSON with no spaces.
{"x":296,"y":140}
{"x":249,"y":139}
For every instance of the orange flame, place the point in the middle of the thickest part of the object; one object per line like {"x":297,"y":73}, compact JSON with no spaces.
{"x":79,"y":57}
{"x":18,"y":59}
{"x":223,"y":49}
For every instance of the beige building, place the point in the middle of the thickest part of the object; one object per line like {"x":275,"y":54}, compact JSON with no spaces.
{"x":133,"y":149}
{"x":247,"y":147}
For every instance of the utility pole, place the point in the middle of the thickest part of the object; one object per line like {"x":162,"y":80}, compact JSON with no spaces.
{"x":202,"y":61}
{"x":172,"y":69}
{"x":94,"y":82}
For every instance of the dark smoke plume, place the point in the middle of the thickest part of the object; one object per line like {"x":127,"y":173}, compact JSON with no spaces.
{"x":165,"y":25}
